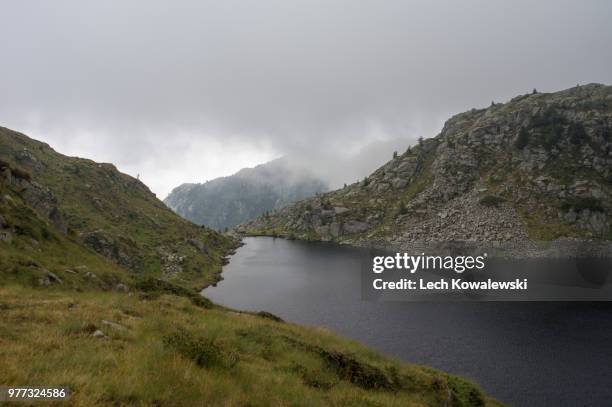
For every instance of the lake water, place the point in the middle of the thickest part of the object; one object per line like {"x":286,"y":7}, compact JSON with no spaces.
{"x":523,"y":354}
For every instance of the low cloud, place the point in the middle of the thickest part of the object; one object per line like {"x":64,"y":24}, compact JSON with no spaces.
{"x":199,"y":89}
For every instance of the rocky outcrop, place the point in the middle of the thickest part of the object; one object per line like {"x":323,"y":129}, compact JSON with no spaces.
{"x":34,"y":194}
{"x":121,"y":251}
{"x":536,"y":168}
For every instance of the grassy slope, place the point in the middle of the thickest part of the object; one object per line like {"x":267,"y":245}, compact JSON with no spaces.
{"x":96,"y":197}
{"x":169,"y":351}
{"x":36,"y":248}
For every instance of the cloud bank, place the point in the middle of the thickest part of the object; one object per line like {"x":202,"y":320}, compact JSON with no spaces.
{"x":188,"y":91}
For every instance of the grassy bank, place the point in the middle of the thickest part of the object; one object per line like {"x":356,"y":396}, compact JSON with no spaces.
{"x":160,"y":349}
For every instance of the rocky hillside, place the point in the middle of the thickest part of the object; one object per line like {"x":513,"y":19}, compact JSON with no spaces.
{"x":538,"y":167}
{"x":228,"y":201}
{"x":71,"y":216}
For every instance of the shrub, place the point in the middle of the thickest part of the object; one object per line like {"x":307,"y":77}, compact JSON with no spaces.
{"x":552,"y":136}
{"x":605,"y":133}
{"x":522,"y":139}
{"x":577,"y":134}
{"x":491,"y":200}
{"x":357,"y":372}
{"x":270,"y":316}
{"x":20,"y":174}
{"x":203,"y":351}
{"x":402,"y":208}
{"x":580,"y":204}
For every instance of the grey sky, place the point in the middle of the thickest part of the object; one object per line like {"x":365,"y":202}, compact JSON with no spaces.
{"x":188,"y":91}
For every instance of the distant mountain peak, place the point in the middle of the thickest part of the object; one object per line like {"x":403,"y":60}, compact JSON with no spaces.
{"x":227,"y":201}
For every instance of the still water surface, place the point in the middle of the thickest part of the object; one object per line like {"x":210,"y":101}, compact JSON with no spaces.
{"x":523,"y":354}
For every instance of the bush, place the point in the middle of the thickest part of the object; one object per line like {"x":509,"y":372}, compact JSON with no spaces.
{"x":402,"y":208}
{"x":552,"y":136}
{"x":20,"y":174}
{"x":522,"y":139}
{"x":577,"y":134}
{"x":204,"y":352}
{"x":581,"y":204}
{"x":359,"y":373}
{"x":606,"y":133}
{"x":491,"y":200}
{"x":270,"y":316}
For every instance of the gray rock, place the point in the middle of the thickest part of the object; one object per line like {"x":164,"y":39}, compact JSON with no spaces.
{"x":6,"y":236}
{"x":340,"y":210}
{"x":335,"y":229}
{"x":98,"y":334}
{"x":54,"y":278}
{"x":399,"y":183}
{"x":121,"y":288}
{"x":353,"y":226}
{"x":114,"y":325}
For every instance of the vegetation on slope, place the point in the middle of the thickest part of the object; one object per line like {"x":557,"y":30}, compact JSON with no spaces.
{"x":159,"y":349}
{"x":112,"y":213}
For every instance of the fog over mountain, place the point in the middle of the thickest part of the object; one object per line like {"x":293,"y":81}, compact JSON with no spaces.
{"x":201,"y":89}
{"x":228,"y":201}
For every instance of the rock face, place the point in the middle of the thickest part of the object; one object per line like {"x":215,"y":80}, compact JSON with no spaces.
{"x":120,"y":251}
{"x":227,"y":201}
{"x":536,"y":168}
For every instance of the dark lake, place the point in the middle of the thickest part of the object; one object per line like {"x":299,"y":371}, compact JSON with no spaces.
{"x":522,"y":353}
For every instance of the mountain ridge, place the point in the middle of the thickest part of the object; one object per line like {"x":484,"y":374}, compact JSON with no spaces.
{"x":108,"y":212}
{"x":536,"y":168}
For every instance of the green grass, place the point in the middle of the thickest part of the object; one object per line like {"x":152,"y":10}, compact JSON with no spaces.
{"x":172,"y":352}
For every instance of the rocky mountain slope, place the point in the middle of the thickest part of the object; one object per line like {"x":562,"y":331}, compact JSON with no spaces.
{"x":228,"y":201}
{"x":62,"y":210}
{"x":538,"y":167}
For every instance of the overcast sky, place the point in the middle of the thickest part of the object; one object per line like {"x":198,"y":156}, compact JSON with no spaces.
{"x":180,"y":91}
